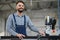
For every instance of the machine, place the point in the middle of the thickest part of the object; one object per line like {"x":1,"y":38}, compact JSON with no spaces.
{"x":50,"y":23}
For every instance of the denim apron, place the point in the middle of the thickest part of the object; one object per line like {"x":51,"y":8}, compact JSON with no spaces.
{"x":21,"y":29}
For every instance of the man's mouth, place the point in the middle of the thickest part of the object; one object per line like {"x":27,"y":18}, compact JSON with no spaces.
{"x":20,"y":8}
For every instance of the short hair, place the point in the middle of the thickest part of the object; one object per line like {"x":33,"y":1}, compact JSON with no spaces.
{"x":20,"y":2}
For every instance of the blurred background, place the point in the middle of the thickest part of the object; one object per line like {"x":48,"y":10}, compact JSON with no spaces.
{"x":35,"y":9}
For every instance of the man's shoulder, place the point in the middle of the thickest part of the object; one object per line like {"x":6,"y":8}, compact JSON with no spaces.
{"x":10,"y":15}
{"x":26,"y":16}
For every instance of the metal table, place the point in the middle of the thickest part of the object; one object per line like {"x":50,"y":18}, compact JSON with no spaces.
{"x":33,"y":37}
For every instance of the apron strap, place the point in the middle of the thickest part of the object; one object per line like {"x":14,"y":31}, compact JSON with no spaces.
{"x":14,"y":19}
{"x":24,"y":20}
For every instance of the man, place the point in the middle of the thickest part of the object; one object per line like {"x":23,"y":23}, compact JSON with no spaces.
{"x":17,"y":22}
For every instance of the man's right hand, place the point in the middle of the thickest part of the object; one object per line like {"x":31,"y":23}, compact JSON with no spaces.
{"x":20,"y":36}
{"x":42,"y":33}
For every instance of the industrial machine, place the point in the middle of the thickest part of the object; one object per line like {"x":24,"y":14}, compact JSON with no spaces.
{"x":50,"y":23}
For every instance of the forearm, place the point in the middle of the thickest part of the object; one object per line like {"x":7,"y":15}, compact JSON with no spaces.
{"x":12,"y":32}
{"x":33,"y":28}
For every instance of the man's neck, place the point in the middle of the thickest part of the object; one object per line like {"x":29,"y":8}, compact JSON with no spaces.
{"x":20,"y":13}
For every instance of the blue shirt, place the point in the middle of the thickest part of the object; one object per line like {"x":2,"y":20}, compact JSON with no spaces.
{"x":10,"y":24}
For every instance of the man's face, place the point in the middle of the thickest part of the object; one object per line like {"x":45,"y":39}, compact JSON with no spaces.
{"x":20,"y":7}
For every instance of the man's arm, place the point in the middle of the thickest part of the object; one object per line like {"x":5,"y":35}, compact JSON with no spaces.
{"x":31,"y":26}
{"x":9,"y":25}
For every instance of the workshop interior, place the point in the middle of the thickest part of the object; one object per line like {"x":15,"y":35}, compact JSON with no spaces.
{"x":45,"y":15}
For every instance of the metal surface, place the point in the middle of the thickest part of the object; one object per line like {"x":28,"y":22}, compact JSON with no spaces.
{"x":32,"y":37}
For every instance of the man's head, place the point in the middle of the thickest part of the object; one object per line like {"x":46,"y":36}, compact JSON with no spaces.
{"x":20,"y":6}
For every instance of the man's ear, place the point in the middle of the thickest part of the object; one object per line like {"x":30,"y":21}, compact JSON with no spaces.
{"x":16,"y":7}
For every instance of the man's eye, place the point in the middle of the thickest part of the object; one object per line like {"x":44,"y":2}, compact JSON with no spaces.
{"x":19,"y":5}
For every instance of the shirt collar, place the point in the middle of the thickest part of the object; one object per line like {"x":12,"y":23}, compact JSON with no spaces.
{"x":18,"y":15}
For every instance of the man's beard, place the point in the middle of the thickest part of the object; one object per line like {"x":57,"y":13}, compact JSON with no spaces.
{"x":20,"y":10}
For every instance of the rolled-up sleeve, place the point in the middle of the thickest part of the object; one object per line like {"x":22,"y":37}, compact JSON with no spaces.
{"x":31,"y":26}
{"x":9,"y":25}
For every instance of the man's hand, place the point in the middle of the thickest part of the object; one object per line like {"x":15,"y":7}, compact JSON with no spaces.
{"x":20,"y":36}
{"x":42,"y":33}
